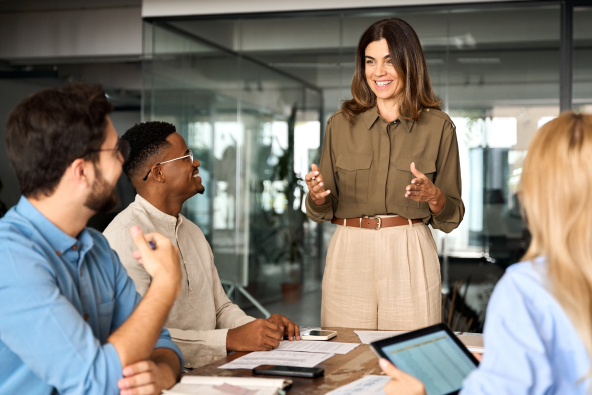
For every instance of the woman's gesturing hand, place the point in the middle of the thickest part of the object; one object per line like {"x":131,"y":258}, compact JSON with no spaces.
{"x":316,"y":186}
{"x":423,"y":190}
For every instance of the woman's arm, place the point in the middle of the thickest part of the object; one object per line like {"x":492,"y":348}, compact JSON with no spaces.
{"x":324,"y":212}
{"x":516,"y":359}
{"x":448,"y":181}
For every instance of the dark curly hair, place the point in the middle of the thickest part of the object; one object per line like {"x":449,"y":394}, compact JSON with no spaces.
{"x":50,"y":129}
{"x":146,"y":141}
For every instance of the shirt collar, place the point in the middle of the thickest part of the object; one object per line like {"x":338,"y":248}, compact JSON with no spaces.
{"x":58,"y":239}
{"x":156,"y":213}
{"x":371,"y":115}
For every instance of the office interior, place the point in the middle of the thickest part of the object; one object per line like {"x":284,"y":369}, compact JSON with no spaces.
{"x":251,"y":93}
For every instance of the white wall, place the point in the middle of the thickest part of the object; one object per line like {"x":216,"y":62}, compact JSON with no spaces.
{"x":156,"y":8}
{"x":107,"y":32}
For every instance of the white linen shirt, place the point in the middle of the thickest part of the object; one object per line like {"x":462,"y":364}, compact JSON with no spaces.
{"x":202,"y":314}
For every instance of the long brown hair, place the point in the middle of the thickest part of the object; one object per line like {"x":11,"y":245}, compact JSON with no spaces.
{"x":415,"y":92}
{"x":556,"y":189}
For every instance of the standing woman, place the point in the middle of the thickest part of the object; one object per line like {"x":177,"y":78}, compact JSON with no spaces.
{"x":389,"y":167}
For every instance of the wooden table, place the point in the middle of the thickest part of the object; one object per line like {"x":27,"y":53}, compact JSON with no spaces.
{"x":339,"y":369}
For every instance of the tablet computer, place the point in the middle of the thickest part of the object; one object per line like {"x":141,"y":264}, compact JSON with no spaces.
{"x":434,"y":355}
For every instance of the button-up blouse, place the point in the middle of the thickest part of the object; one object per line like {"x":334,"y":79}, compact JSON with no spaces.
{"x":366,"y":166}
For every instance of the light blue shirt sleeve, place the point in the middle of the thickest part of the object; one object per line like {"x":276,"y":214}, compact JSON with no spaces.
{"x":531,"y":347}
{"x":44,"y":329}
{"x":127,"y":299}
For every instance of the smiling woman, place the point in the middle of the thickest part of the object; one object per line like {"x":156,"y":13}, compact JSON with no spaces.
{"x":389,"y":163}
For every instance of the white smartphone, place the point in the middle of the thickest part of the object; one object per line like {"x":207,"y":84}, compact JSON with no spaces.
{"x":318,"y":335}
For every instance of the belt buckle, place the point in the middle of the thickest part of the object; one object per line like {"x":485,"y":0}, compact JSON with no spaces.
{"x":379,"y":222}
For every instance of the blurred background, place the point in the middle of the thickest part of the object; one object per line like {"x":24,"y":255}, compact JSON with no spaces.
{"x":250,"y":86}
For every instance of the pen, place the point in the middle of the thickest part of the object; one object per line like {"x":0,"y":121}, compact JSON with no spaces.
{"x":152,"y":245}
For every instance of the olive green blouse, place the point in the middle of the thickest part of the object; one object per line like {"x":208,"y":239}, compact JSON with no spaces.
{"x":366,"y":166}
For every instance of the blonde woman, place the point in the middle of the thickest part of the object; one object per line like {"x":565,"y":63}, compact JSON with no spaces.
{"x":538,"y":332}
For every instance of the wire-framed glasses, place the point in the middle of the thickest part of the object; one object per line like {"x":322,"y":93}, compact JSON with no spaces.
{"x":190,"y":156}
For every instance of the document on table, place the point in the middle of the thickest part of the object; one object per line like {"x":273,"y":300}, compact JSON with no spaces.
{"x":367,"y":337}
{"x":369,"y":385}
{"x":227,"y":385}
{"x":316,"y":346}
{"x":286,"y":358}
{"x":473,"y":341}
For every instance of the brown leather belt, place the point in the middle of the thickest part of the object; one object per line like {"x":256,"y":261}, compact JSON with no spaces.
{"x":374,"y":222}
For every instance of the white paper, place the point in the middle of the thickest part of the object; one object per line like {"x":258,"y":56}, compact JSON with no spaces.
{"x":285,"y":358}
{"x":369,"y":385}
{"x":204,"y":389}
{"x":205,"y":385}
{"x":316,"y":346}
{"x":478,"y":350}
{"x":367,"y":337}
{"x":240,"y":381}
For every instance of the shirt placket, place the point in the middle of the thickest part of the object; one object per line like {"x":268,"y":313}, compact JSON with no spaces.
{"x":384,"y":158}
{"x":183,"y":260}
{"x":83,"y":286}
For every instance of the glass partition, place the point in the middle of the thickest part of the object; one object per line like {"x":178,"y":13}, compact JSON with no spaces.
{"x":252,"y":94}
{"x":582,"y":59}
{"x":254,"y":130}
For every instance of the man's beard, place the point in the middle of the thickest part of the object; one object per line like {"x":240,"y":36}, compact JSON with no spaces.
{"x":102,"y":198}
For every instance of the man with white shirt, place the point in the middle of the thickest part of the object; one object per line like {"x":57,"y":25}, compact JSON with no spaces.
{"x":203,"y":322}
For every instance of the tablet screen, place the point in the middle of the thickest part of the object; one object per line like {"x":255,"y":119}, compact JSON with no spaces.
{"x":435,"y":359}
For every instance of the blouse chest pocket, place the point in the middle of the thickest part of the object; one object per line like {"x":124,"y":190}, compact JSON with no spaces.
{"x":353,"y":171}
{"x":404,"y":177}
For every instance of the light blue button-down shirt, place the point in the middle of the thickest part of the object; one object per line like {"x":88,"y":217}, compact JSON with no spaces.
{"x":531,"y":346}
{"x":60,"y":299}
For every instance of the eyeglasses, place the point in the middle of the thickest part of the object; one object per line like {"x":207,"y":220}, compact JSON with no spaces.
{"x":190,"y":156}
{"x":122,"y":148}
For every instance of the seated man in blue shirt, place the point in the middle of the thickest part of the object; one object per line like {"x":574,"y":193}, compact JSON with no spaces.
{"x":71,"y":321}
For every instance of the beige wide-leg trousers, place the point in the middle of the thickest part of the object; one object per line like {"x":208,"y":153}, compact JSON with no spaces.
{"x":387,"y":279}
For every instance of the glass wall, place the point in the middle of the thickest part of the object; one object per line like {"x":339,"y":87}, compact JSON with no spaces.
{"x":252,"y":95}
{"x":254,"y":130}
{"x":582,"y":58}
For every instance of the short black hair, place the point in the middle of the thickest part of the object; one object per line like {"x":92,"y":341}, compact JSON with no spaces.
{"x":50,"y":129}
{"x":146,"y":141}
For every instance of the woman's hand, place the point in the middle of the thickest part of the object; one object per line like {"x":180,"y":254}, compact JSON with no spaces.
{"x":423,"y":190}
{"x":401,"y":383}
{"x":316,"y":186}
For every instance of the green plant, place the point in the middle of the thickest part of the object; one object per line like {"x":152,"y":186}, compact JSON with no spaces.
{"x":282,"y":234}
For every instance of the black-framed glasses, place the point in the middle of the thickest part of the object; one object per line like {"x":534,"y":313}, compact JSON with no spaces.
{"x":190,"y":156}
{"x":122,"y":148}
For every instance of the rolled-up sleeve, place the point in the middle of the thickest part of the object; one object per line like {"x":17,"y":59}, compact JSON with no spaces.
{"x":448,"y":180}
{"x":325,"y":211}
{"x":46,"y":332}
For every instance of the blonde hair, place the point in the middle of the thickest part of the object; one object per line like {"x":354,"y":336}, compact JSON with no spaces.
{"x":556,"y":192}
